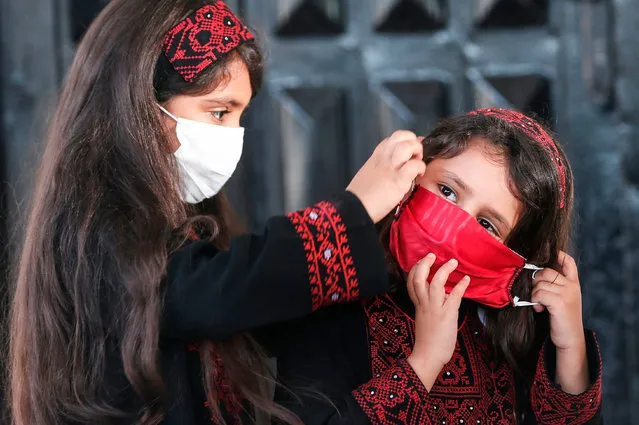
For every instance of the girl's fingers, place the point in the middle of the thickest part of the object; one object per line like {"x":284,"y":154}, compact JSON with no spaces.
{"x":547,"y":286}
{"x":568,"y":266}
{"x":551,"y":276}
{"x":437,"y":291}
{"x":547,"y":299}
{"x":418,"y":279}
{"x":539,"y":308}
{"x":456,"y":295}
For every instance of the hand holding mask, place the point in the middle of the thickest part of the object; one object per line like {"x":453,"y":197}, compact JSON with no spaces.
{"x":429,"y":223}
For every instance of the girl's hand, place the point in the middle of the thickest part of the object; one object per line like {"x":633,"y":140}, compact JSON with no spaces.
{"x":560,"y":294}
{"x":436,"y":318}
{"x":389,"y":173}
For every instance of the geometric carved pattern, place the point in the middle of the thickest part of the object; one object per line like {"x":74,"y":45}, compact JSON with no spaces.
{"x":300,"y":18}
{"x":314,"y":144}
{"x":494,"y":14}
{"x":526,"y":93}
{"x":409,"y":16}
{"x":414,"y":105}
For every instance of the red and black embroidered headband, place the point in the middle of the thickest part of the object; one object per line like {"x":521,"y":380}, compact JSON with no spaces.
{"x":204,"y":37}
{"x":536,"y":132}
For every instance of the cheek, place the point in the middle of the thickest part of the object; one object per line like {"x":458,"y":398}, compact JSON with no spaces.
{"x":174,"y":145}
{"x":428,"y":182}
{"x":171,"y":136}
{"x":512,"y":207}
{"x":234,"y":121}
{"x":424,"y":180}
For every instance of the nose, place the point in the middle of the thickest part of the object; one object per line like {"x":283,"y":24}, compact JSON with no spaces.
{"x":470,"y":207}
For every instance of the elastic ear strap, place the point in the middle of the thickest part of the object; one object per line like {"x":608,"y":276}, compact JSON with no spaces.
{"x":518,"y":303}
{"x":403,"y":202}
{"x":167,"y":112}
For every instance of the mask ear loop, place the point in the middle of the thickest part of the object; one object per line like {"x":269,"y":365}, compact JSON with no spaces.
{"x":403,"y":201}
{"x":168,"y":113}
{"x":516,"y":301}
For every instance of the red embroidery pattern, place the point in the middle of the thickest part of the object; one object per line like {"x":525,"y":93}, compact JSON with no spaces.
{"x":395,"y":397}
{"x":471,"y":389}
{"x":331,"y":270}
{"x":228,"y":399}
{"x":555,"y":407}
{"x":204,"y":37}
{"x":226,"y":394}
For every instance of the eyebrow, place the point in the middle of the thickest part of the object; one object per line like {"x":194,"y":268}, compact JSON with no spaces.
{"x":457,"y":181}
{"x":498,"y":217}
{"x":225,"y":101}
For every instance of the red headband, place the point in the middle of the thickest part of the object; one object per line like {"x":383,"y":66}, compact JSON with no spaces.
{"x":536,"y":132}
{"x":204,"y":37}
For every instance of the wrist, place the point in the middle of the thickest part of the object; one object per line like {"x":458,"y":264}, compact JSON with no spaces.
{"x":572,"y":368}
{"x":576,"y":347}
{"x":362,"y":199}
{"x":426,"y":369}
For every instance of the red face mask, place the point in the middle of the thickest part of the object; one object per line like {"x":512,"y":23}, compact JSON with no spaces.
{"x":428,"y":223}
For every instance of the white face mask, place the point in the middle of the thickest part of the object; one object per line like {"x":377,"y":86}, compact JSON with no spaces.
{"x":207,"y":157}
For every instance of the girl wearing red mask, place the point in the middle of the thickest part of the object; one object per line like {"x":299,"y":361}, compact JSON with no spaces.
{"x":484,"y":325}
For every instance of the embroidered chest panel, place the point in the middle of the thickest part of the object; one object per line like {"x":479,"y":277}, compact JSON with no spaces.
{"x":471,"y":388}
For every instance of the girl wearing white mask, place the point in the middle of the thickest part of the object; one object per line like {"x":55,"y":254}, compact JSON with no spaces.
{"x":130,"y":306}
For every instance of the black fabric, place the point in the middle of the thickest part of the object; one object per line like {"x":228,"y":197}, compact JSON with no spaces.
{"x":262,"y":280}
{"x":320,"y":360}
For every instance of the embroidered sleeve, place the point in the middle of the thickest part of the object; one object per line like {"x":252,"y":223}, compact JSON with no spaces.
{"x":325,"y":254}
{"x":331,"y":269}
{"x":553,"y":406}
{"x":397,"y":396}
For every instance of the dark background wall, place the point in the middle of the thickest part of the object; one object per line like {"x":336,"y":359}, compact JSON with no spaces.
{"x":345,"y":73}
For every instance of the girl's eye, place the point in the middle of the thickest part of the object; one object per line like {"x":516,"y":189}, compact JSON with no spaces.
{"x":219,"y":115}
{"x":488,"y":226}
{"x":448,"y":193}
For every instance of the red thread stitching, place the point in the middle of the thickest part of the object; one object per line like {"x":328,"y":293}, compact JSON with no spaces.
{"x":555,"y":407}
{"x":395,"y":397}
{"x":471,"y":389}
{"x":226,"y":395}
{"x":204,"y":37}
{"x":331,"y":269}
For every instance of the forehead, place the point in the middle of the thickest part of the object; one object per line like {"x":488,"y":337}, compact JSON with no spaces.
{"x":479,"y":159}
{"x":484,"y":172}
{"x":236,"y":83}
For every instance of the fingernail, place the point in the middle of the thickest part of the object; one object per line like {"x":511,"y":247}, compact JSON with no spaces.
{"x":467,"y":278}
{"x":431,"y":256}
{"x":452,"y":261}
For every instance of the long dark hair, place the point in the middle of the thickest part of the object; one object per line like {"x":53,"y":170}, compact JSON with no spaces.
{"x":89,"y":282}
{"x":541,"y":231}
